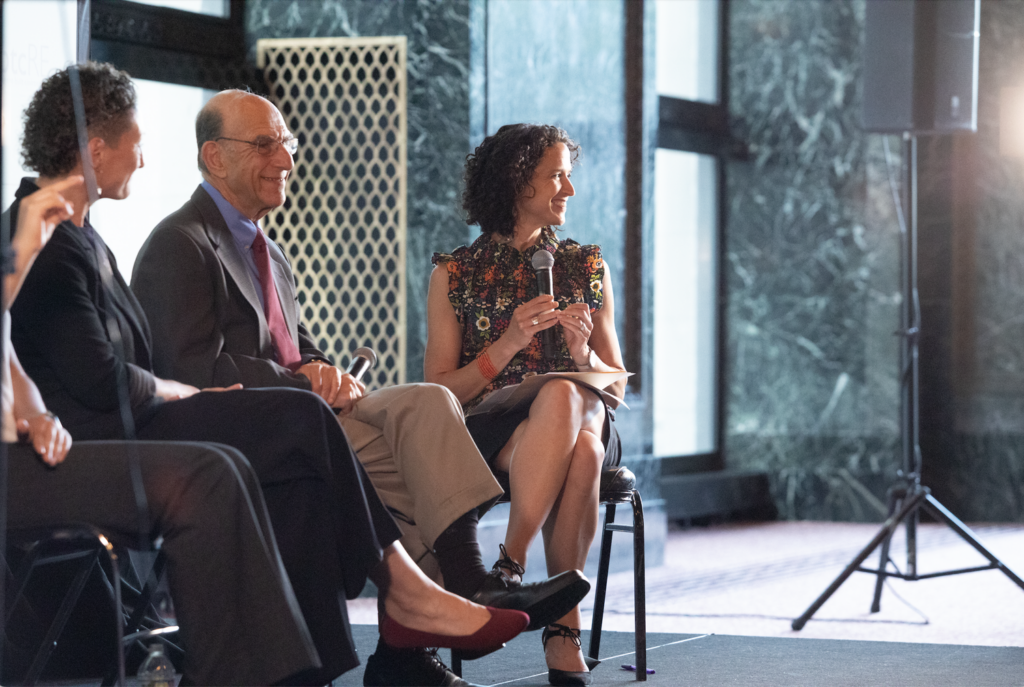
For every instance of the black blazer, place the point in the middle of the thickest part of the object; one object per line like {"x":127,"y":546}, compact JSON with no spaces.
{"x":209,"y":327}
{"x":58,"y":330}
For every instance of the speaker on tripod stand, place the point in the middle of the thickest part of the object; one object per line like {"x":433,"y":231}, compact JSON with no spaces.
{"x":920,"y":76}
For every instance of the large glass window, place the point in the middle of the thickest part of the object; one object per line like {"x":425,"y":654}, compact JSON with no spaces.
{"x":693,"y":133}
{"x":686,"y":36}
{"x":685,"y":279}
{"x":30,"y":55}
{"x":166,"y":116}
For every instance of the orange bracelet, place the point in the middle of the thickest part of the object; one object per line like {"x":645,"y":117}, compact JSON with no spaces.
{"x":483,"y":362}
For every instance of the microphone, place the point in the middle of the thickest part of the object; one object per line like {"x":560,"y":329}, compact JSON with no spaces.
{"x":363,"y":360}
{"x":543,"y":261}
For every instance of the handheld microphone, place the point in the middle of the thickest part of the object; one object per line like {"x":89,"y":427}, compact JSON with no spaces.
{"x":543,"y":261}
{"x":363,"y":360}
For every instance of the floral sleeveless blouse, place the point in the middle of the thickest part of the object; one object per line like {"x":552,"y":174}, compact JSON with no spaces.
{"x":487,"y":281}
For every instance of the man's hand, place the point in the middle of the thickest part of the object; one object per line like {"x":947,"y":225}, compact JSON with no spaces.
{"x":49,"y":439}
{"x":170,"y":390}
{"x":338,"y":389}
{"x":233,"y":387}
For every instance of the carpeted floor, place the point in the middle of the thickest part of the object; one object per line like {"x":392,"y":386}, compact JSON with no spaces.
{"x":725,"y":661}
{"x":719,"y":613}
{"x":733,"y":590}
{"x":753,"y":579}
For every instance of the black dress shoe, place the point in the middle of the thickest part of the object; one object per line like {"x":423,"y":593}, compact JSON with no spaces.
{"x":388,"y":667}
{"x":567,"y":678}
{"x":545,"y":602}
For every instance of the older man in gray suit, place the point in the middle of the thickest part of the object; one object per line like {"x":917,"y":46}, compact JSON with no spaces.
{"x":221,"y":302}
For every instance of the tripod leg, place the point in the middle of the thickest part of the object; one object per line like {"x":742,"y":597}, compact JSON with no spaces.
{"x":883,"y":558}
{"x":940,"y":512}
{"x":887,"y":529}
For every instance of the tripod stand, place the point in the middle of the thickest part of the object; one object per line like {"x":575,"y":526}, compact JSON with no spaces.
{"x":909,"y":496}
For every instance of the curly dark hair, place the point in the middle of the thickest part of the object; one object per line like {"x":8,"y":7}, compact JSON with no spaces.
{"x":50,"y":142}
{"x":499,"y":171}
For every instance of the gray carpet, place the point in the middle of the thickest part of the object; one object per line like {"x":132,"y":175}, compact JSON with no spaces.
{"x":723,"y":660}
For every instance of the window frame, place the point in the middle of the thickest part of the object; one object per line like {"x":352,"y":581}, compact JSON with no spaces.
{"x":171,"y":45}
{"x":701,"y":127}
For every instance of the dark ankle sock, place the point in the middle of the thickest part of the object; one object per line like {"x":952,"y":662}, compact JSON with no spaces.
{"x":458,"y":555}
{"x":383,"y":649}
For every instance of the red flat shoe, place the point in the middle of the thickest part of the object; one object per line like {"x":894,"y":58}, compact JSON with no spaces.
{"x":503,"y":626}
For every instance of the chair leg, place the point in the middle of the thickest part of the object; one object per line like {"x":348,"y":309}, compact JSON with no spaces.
{"x":143,"y":606}
{"x":639,"y":588}
{"x":61,"y":619}
{"x":20,"y":579}
{"x":145,"y":601}
{"x":602,"y":582}
{"x":115,"y":577}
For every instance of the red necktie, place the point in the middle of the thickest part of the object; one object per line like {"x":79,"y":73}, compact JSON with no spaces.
{"x":284,"y":345}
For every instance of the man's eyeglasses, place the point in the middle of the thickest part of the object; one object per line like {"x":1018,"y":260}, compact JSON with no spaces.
{"x":265,"y":145}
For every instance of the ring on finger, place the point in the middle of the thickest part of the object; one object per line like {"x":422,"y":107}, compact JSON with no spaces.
{"x":535,"y":321}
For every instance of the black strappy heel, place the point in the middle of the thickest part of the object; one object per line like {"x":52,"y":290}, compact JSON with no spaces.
{"x":514,"y":571}
{"x":567,"y":678}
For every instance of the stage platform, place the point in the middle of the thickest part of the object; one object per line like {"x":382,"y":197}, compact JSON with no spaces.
{"x":723,"y":660}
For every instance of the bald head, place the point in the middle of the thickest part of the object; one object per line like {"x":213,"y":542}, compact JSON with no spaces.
{"x":210,"y":120}
{"x":240,"y":153}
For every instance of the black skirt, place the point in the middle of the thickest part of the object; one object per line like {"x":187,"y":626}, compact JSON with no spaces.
{"x":491,"y":431}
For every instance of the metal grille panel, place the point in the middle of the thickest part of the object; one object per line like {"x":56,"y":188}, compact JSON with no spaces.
{"x":344,"y":224}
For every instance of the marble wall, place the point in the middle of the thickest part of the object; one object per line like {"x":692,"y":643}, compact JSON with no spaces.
{"x":985,"y":467}
{"x":811,"y":268}
{"x":438,"y":111}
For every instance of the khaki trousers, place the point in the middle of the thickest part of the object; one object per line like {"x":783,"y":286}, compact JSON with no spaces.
{"x":413,"y":443}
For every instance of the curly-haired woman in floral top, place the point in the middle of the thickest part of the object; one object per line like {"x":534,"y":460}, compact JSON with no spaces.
{"x":484,"y":321}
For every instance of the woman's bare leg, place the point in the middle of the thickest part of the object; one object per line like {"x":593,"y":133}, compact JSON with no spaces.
{"x":539,"y":456}
{"x":568,"y":534}
{"x":413,"y":600}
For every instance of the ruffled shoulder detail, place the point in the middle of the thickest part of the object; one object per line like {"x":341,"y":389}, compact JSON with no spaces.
{"x":460,"y":254}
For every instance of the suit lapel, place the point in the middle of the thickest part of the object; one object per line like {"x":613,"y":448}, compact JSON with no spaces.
{"x":232,"y":260}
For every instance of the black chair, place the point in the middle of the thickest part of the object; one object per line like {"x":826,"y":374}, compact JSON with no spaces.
{"x":618,"y":486}
{"x":89,"y":546}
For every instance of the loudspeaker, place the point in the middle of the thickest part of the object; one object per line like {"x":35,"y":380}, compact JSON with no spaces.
{"x":921,"y":65}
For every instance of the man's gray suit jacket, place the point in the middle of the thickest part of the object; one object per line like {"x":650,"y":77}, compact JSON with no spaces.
{"x":208,"y":326}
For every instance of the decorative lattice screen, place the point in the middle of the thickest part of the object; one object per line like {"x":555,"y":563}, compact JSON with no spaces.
{"x":343,"y":226}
